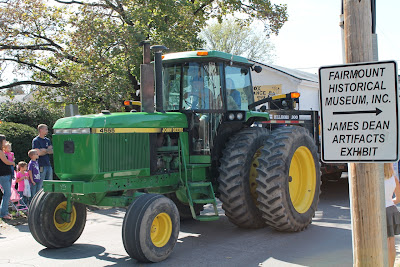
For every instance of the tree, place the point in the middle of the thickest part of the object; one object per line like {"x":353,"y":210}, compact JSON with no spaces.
{"x":13,"y":91}
{"x":20,"y":136}
{"x":29,"y":113}
{"x":31,"y":33}
{"x":87,"y":52}
{"x":233,"y":37}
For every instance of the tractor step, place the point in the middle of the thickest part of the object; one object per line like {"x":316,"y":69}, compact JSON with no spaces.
{"x":199,"y":184}
{"x":204,"y":201}
{"x":202,"y":193}
{"x":207,"y":218}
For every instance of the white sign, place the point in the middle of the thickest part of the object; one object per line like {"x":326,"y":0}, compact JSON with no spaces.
{"x":359,"y":112}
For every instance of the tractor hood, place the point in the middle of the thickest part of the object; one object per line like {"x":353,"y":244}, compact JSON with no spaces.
{"x":124,"y":120}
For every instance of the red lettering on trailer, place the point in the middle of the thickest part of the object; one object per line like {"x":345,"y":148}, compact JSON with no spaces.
{"x":284,"y":122}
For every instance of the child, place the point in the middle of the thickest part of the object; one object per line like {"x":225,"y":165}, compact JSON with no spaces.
{"x":22,"y":177}
{"x":10,"y":156}
{"x":34,"y":174}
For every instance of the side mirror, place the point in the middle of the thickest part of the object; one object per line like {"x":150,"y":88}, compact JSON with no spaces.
{"x":257,"y":69}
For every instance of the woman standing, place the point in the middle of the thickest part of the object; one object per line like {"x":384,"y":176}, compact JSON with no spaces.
{"x":5,"y":180}
{"x":392,"y":213}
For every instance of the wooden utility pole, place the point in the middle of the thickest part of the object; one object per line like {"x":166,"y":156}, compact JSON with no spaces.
{"x":366,"y":179}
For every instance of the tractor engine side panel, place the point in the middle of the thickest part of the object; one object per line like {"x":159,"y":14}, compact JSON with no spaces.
{"x":90,"y":157}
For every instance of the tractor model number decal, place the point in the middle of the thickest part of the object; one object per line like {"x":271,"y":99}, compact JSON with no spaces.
{"x":136,"y":130}
{"x":106,"y":130}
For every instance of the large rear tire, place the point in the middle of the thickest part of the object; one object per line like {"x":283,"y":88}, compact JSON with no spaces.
{"x":237,"y":179}
{"x":46,"y":222}
{"x":289,"y":179}
{"x":150,"y":228}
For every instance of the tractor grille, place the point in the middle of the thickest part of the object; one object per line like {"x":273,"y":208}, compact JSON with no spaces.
{"x":119,"y":152}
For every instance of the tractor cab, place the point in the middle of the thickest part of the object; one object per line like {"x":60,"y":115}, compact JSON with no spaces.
{"x":206,"y":86}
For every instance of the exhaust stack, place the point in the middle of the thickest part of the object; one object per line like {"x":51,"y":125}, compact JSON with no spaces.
{"x":146,"y":80}
{"x":158,"y":69}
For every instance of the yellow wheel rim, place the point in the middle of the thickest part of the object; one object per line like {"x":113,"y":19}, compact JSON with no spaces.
{"x":59,"y":222}
{"x":161,"y":230}
{"x":302,"y":179}
{"x":253,"y":175}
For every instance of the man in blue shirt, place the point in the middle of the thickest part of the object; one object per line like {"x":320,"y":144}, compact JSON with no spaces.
{"x":44,"y":147}
{"x":232,"y":94}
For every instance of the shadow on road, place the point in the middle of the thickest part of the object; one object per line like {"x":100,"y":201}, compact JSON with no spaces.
{"x":232,"y":246}
{"x":80,"y":251}
{"x":326,"y":242}
{"x":328,"y":239}
{"x":76,"y":251}
{"x":335,"y":190}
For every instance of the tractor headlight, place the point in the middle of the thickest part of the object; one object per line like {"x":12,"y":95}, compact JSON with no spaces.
{"x":72,"y":131}
{"x":235,"y":116}
{"x":80,"y":131}
{"x":85,"y":130}
{"x":239,"y":116}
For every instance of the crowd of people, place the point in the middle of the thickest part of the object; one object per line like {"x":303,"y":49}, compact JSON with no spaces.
{"x":28,"y":177}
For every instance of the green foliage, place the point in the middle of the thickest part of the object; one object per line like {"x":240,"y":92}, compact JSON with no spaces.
{"x":87,"y":52}
{"x":29,"y":113}
{"x":21,"y":137}
{"x":232,"y":36}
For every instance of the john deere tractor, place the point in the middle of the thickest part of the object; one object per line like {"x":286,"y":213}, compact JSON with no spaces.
{"x":203,"y":142}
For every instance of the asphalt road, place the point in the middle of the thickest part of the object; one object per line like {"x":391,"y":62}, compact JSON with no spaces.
{"x":326,"y":242}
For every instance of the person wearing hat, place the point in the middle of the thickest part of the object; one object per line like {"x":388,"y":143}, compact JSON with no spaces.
{"x":200,"y":97}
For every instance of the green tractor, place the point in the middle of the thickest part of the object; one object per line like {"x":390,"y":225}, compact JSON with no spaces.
{"x":204,"y":141}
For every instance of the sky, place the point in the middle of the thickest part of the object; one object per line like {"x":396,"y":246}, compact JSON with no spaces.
{"x":311,"y":38}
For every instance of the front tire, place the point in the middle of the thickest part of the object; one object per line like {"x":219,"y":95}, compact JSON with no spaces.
{"x":150,"y":228}
{"x":289,"y":179}
{"x":47,"y":224}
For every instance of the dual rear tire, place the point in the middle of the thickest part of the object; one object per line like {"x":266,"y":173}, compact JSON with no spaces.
{"x":270,"y":178}
{"x":289,"y":179}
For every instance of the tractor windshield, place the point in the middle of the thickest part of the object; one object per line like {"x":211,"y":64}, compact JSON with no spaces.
{"x":202,"y":86}
{"x":200,"y":83}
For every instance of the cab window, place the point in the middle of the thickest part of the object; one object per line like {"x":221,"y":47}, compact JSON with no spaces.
{"x":239,"y":93}
{"x":171,"y":87}
{"x":202,"y":86}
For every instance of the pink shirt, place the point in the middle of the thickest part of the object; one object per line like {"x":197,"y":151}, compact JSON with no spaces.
{"x":10,"y":155}
{"x":21,"y":184}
